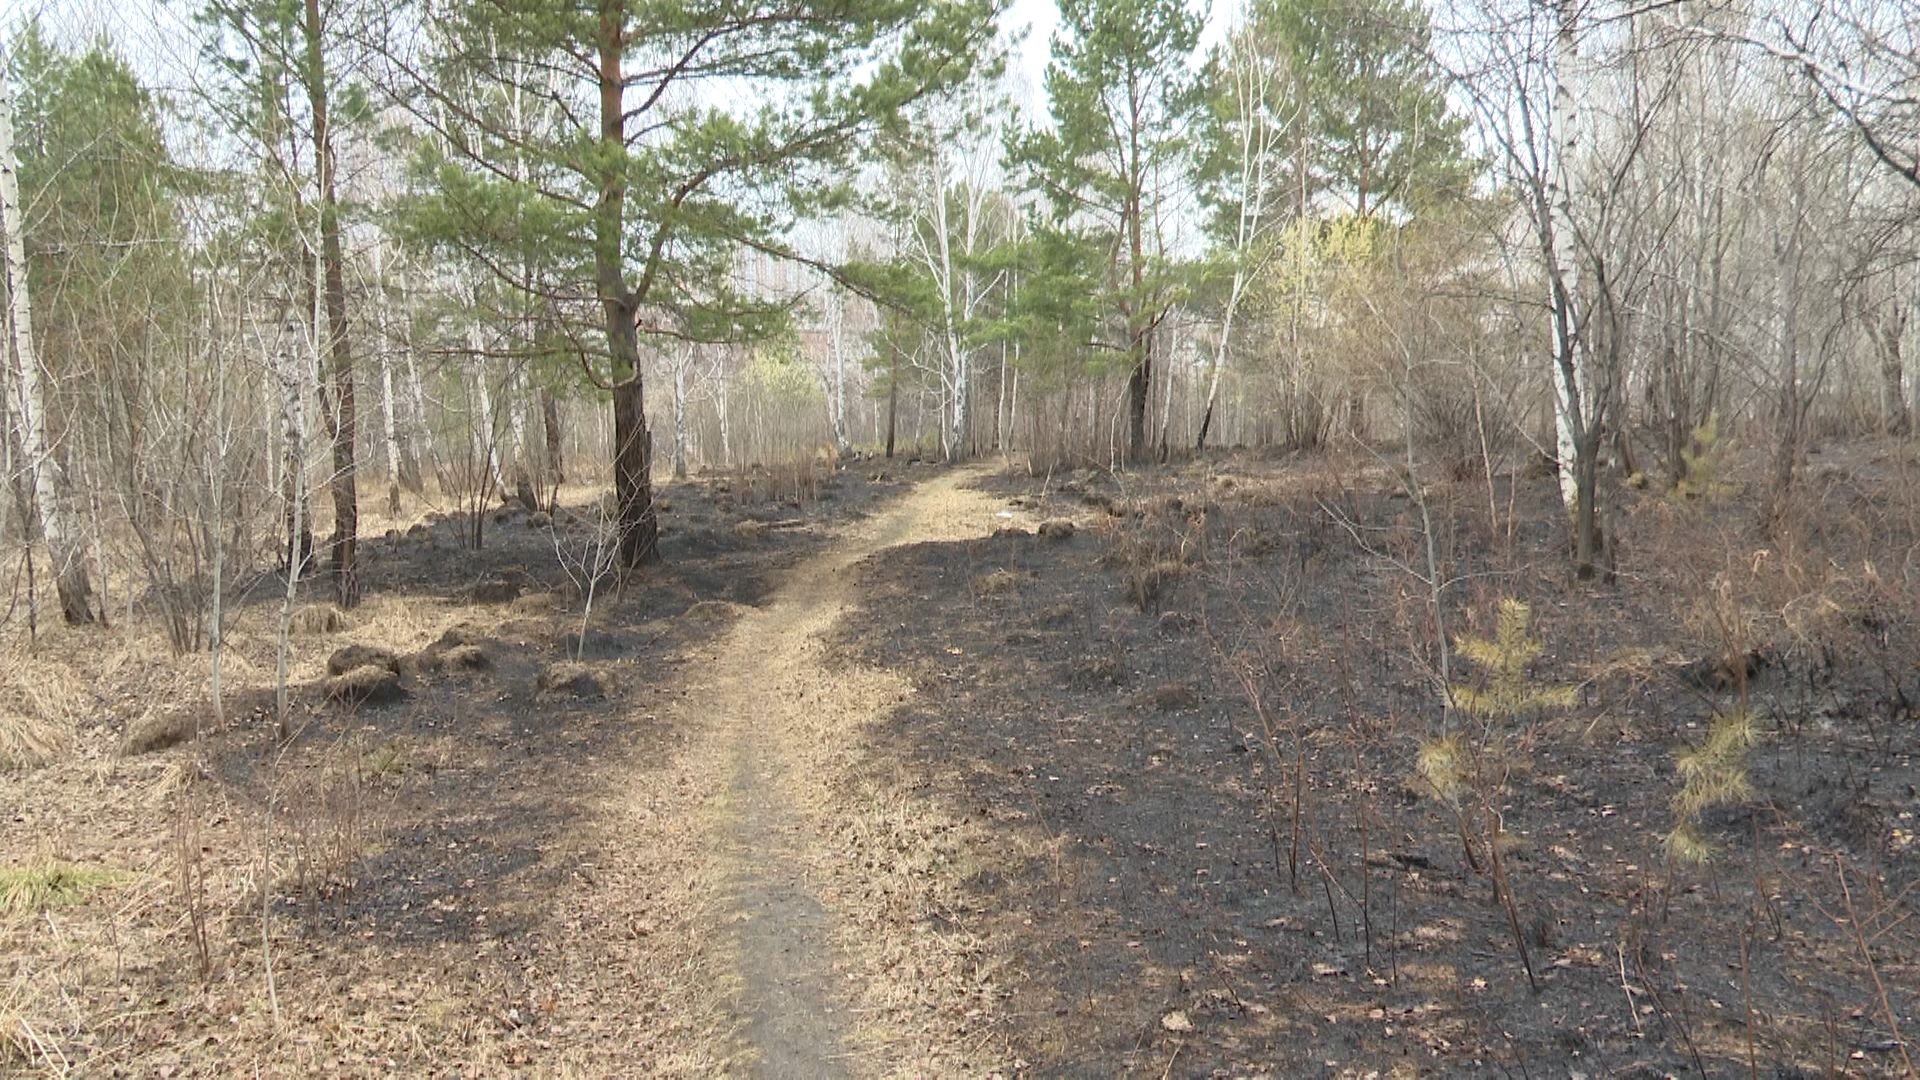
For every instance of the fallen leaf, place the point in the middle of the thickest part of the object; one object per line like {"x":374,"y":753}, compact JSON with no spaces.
{"x":1176,"y":1021}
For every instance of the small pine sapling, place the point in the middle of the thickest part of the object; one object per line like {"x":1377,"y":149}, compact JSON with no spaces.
{"x":1700,"y":476}
{"x":1712,"y":774}
{"x":1508,"y":690}
{"x":1469,"y":776}
{"x":1464,"y":773}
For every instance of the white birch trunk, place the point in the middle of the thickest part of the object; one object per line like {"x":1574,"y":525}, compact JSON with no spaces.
{"x":484,"y":393}
{"x":837,"y":368}
{"x":1253,"y":79}
{"x":48,"y":478}
{"x":290,"y":372}
{"x":1568,"y":388}
{"x":517,"y":447}
{"x":416,"y":393}
{"x":216,"y":615}
{"x":389,"y":419}
{"x":726,"y":419}
{"x":293,"y":376}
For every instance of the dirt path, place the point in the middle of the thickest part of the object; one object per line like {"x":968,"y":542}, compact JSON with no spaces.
{"x":774,"y":717}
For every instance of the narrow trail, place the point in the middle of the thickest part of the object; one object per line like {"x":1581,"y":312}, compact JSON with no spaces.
{"x":772,"y":712}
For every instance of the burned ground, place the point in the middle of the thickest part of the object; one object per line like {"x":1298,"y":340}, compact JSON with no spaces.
{"x":1143,"y":796}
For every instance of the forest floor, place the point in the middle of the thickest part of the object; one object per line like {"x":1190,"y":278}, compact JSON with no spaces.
{"x":885,"y":771}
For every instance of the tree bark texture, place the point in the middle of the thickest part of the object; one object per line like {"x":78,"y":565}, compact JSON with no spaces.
{"x":42,"y":460}
{"x":637,"y":523}
{"x":343,"y":422}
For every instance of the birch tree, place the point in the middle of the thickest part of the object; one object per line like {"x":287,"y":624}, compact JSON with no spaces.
{"x":48,"y":481}
{"x":1247,"y":141}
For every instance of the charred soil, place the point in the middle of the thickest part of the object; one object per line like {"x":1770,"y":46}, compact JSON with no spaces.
{"x":915,"y":771}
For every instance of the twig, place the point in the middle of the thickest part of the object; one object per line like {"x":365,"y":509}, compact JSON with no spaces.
{"x":1866,"y":957}
{"x":1633,"y":1010}
{"x":1505,"y":891}
{"x":1746,"y":992}
{"x":1686,"y":1034}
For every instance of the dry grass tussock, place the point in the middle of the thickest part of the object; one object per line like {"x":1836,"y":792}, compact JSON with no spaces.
{"x":40,"y":701}
{"x":1000,"y":582}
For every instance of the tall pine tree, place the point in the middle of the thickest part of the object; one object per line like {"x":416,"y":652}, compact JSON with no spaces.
{"x":679,"y":132}
{"x":1122,"y":92}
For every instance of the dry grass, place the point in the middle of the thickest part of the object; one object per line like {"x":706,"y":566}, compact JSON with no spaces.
{"x":319,"y":619}
{"x":569,"y":679}
{"x":794,"y":483}
{"x":367,"y":682}
{"x":39,"y":701}
{"x":1000,"y":583}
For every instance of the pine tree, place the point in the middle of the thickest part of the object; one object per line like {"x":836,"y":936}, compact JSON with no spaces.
{"x":673,"y":135}
{"x":1373,"y":124}
{"x":1122,"y":93}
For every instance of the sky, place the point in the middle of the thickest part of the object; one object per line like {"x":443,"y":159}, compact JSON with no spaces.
{"x":161,"y":26}
{"x":1038,"y":18}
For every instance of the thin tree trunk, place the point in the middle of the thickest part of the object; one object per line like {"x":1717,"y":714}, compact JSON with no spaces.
{"x":723,"y":406}
{"x":515,"y":404}
{"x":424,"y":452}
{"x":550,"y":426}
{"x":389,"y":411}
{"x":1895,"y":415}
{"x":343,"y":421}
{"x":293,"y":443}
{"x":1139,"y":380}
{"x":842,"y":442}
{"x":1166,"y":411}
{"x":680,"y":364}
{"x":1790,"y":412}
{"x":292,"y":374}
{"x":957,"y":436}
{"x":484,"y":392}
{"x":1787,"y":412}
{"x":1013,"y":406}
{"x":294,"y":389}
{"x":893,"y":395}
{"x":48,"y":472}
{"x":216,"y":527}
{"x":1567,"y":383}
{"x":1000,"y":404}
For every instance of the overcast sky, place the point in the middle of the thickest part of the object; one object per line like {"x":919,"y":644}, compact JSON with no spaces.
{"x":157,"y":33}
{"x":161,"y":40}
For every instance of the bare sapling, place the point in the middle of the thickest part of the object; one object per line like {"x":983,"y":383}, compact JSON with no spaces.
{"x":587,"y":563}
{"x":219,"y":446}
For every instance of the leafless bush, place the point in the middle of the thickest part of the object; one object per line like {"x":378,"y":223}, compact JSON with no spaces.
{"x":1456,"y":426}
{"x":325,"y":821}
{"x":1153,"y":545}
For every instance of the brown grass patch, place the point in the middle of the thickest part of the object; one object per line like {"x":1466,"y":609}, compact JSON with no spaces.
{"x":576,"y":680}
{"x":364,"y":683}
{"x":316,"y":620}
{"x":39,"y":701}
{"x":999,"y":583}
